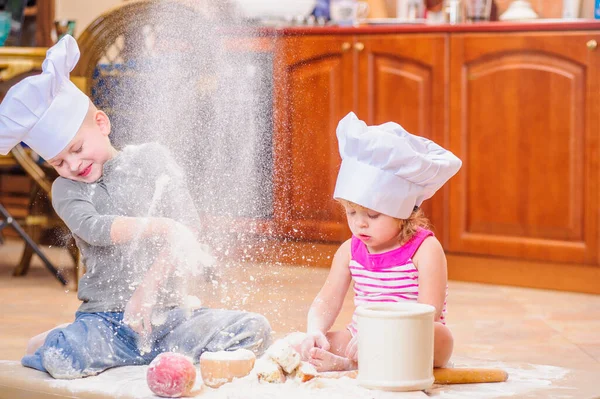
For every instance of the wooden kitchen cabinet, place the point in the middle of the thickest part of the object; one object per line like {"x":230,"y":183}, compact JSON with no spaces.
{"x":404,"y":78}
{"x":524,"y":118}
{"x":319,"y":79}
{"x":522,"y":111}
{"x":313,"y":91}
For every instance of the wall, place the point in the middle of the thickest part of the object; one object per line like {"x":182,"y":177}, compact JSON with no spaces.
{"x":544,"y":8}
{"x":83,"y":11}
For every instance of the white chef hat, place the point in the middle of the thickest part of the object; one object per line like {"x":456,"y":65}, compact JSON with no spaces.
{"x":45,"y":111}
{"x":387,"y":169}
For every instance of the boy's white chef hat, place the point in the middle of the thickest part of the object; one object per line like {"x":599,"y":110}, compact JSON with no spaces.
{"x":387,"y":169}
{"x":45,"y":111}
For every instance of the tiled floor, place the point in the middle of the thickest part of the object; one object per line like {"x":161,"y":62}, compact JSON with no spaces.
{"x":491,"y":323}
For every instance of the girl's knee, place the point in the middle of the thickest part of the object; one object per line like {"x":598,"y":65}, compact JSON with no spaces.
{"x":338,"y":341}
{"x":443,"y":345}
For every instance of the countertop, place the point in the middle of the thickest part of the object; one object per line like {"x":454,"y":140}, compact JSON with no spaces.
{"x":481,"y":27}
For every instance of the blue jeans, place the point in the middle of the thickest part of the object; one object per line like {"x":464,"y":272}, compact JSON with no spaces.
{"x":95,"y":342}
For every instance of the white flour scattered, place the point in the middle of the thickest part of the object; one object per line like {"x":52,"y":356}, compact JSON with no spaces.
{"x":240,"y":354}
{"x":58,"y":365}
{"x":521,"y":380}
{"x":130,"y":382}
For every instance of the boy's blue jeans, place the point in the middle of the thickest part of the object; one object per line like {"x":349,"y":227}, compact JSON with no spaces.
{"x":95,"y":342}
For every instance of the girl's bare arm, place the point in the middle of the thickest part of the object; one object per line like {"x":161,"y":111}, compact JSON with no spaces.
{"x":328,"y":302}
{"x":430,"y":260}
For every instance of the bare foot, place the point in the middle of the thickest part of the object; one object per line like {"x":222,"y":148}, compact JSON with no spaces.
{"x":327,"y":361}
{"x":36,"y":342}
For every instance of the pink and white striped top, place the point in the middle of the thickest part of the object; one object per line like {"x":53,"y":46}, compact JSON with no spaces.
{"x":386,"y":277}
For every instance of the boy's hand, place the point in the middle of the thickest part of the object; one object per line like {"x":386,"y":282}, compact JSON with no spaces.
{"x":352,"y":349}
{"x":313,"y":339}
{"x":138,"y":311}
{"x":189,"y":256}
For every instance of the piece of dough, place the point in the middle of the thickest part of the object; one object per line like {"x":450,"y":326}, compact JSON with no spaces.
{"x":286,"y":356}
{"x":304,"y":372}
{"x":267,"y":370}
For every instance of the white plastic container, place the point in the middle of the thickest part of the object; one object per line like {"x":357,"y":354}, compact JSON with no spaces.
{"x":395,"y":346}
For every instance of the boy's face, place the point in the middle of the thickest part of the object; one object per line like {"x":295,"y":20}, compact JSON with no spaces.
{"x":84,"y":157}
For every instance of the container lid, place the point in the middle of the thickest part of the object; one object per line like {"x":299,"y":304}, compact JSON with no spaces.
{"x":395,"y":310}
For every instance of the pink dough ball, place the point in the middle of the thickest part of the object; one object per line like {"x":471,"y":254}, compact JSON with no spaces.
{"x":171,"y":375}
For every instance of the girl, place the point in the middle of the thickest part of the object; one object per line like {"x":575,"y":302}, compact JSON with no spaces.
{"x":386,"y":174}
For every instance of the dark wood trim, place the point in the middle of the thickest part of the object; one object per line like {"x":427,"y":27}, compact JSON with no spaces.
{"x":299,"y":253}
{"x":514,"y":272}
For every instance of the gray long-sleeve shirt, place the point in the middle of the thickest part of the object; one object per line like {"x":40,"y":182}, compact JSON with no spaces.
{"x":141,"y":181}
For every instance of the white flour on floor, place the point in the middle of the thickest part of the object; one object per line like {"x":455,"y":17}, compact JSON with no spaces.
{"x":130,"y":382}
{"x":528,"y":378}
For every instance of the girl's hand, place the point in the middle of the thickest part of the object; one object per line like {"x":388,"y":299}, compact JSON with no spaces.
{"x":352,"y":349}
{"x":312,"y":340}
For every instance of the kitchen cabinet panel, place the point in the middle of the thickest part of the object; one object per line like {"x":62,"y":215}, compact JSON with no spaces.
{"x":523,"y":117}
{"x":314,"y":92}
{"x":403,"y":78}
{"x":522,"y":110}
{"x":382,"y":78}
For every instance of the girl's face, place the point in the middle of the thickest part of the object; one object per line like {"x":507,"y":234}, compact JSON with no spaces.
{"x":379,"y":232}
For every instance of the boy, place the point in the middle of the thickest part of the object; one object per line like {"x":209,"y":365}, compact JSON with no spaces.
{"x":135,"y":225}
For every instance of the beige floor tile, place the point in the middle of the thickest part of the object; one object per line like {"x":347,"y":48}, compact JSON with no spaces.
{"x":578,"y":331}
{"x":591,"y":349}
{"x":516,"y":326}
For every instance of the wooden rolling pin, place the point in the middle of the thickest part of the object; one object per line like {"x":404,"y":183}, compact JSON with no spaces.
{"x":443,"y":375}
{"x":468,"y":375}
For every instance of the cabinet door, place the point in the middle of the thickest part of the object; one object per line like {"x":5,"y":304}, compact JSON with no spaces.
{"x":524,"y":112}
{"x":403,"y":78}
{"x":313,"y":91}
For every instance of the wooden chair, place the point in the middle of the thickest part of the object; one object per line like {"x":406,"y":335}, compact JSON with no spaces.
{"x":16,"y":64}
{"x":122,"y":47}
{"x":41,"y":216}
{"x":112,"y":40}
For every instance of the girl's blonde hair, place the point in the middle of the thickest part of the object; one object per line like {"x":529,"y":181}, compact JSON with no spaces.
{"x":408,"y":227}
